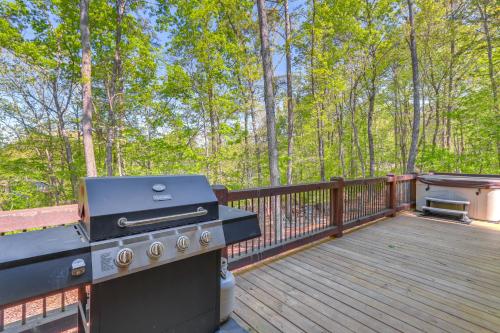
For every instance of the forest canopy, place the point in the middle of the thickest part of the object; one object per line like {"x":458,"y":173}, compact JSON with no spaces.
{"x":247,"y":93}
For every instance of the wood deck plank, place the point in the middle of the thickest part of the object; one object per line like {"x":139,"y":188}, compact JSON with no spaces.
{"x":407,"y":274}
{"x":453,"y":254}
{"x":350,"y":297}
{"x":270,"y":315}
{"x":436,"y":242}
{"x":432,"y":297}
{"x":342,"y":309}
{"x":253,"y":319}
{"x":463,"y":270}
{"x":422,"y":278}
{"x":440,"y":269}
{"x":386,"y":304}
{"x":428,"y":290}
{"x":283,"y":309}
{"x":313,"y":316}
{"x":443,"y":319}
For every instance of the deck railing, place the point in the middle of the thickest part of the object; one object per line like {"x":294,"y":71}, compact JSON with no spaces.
{"x":294,"y":215}
{"x":290,"y":216}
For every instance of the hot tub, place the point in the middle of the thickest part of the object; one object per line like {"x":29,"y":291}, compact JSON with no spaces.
{"x":483,"y":192}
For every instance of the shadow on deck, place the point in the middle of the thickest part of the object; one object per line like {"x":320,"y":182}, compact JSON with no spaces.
{"x":407,"y":273}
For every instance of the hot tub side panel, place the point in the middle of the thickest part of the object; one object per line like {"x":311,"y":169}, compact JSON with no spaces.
{"x":484,"y":203}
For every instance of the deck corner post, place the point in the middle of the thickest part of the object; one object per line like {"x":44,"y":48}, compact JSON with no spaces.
{"x":413,"y":191}
{"x":392,"y":193}
{"x":222,"y":194}
{"x":337,"y":204}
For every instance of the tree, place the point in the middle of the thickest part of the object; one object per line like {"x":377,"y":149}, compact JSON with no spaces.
{"x":115,"y":92}
{"x":410,"y":166}
{"x":482,"y":6}
{"x":267,"y":68}
{"x":289,"y":93}
{"x":87,"y":90}
{"x":178,"y":87}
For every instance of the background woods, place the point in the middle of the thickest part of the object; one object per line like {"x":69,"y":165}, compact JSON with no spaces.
{"x":248,"y":93}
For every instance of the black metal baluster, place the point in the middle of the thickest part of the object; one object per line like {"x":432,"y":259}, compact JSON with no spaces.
{"x":2,"y":320}
{"x":23,"y":314}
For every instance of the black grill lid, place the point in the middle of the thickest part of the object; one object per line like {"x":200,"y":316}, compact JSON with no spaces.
{"x":119,"y":206}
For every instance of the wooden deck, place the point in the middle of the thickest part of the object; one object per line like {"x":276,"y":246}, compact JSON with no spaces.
{"x":404,"y":274}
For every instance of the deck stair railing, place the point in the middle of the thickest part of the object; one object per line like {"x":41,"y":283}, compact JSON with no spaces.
{"x":290,"y":216}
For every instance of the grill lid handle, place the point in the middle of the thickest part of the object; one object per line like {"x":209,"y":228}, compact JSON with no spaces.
{"x":124,"y":223}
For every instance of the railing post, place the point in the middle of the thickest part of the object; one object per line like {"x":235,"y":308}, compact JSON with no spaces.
{"x":337,"y":205}
{"x":1,"y":319}
{"x":393,"y":203}
{"x":413,"y":191}
{"x":222,"y":194}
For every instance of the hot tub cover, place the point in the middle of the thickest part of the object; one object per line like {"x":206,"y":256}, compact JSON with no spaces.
{"x":489,"y":181}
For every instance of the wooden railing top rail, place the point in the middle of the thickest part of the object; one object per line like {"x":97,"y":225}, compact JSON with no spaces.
{"x":277,"y":190}
{"x":250,"y":193}
{"x":364,"y":181}
{"x":406,"y":177}
{"x":23,"y":219}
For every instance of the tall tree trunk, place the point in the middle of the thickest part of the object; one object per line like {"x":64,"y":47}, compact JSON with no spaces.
{"x":110,"y":133}
{"x":116,"y":89}
{"x":437,"y":118}
{"x":421,"y":144}
{"x":319,"y":120}
{"x":412,"y":156}
{"x":61,"y":129}
{"x":119,"y":153}
{"x":450,"y":75}
{"x":340,"y":132}
{"x":372,"y":52}
{"x":245,"y":102}
{"x":255,"y":134}
{"x":371,"y":109}
{"x":491,"y":67}
{"x":267,"y":67}
{"x":246,"y":154}
{"x":52,"y":180}
{"x":120,"y":89}
{"x":352,"y":107}
{"x":86,"y":70}
{"x":289,"y":93}
{"x":213,"y":135}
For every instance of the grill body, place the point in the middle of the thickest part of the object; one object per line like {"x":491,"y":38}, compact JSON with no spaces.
{"x":181,"y":297}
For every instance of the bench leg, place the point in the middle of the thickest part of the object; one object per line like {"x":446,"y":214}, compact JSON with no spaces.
{"x":465,"y":219}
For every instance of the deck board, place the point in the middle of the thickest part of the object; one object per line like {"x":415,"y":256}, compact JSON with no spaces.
{"x":404,"y":274}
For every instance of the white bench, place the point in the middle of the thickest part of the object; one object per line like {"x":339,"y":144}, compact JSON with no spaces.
{"x":443,"y":211}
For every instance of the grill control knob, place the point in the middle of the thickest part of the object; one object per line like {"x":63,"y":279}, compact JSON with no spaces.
{"x":182,"y":243}
{"x":205,"y":238}
{"x":155,"y":250}
{"x":124,"y":257}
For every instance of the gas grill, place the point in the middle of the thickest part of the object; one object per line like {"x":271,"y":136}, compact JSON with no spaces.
{"x":150,"y":247}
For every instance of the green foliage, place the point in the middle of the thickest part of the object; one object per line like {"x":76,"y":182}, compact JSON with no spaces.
{"x":192,"y":91}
